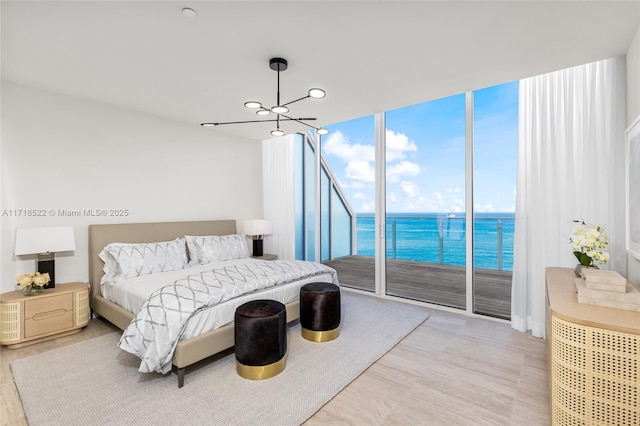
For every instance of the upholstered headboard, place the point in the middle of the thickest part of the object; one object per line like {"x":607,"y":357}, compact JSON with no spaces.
{"x":101,"y":235}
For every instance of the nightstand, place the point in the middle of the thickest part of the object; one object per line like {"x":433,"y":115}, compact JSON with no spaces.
{"x":266,"y":257}
{"x":56,"y":312}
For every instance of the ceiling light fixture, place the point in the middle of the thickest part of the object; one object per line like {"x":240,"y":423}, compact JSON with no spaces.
{"x":189,"y":13}
{"x":280,"y":109}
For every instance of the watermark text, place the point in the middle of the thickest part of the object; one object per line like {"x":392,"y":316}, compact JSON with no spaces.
{"x":65,"y":212}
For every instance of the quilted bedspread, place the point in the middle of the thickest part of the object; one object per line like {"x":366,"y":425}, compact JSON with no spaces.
{"x":155,"y":331}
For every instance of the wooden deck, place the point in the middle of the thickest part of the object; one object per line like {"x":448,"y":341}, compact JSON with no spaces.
{"x":428,"y":282}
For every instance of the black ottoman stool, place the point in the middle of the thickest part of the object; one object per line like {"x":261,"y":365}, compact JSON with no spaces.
{"x":260,"y":334}
{"x":320,"y":311}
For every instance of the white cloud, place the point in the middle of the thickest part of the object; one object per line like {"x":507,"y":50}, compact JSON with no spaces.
{"x":367,"y":208}
{"x":487,"y":208}
{"x":360,"y":170}
{"x":426,"y":204}
{"x":360,"y":158}
{"x":337,"y":144}
{"x":455,"y":190}
{"x":359,"y":196}
{"x":352,"y":185}
{"x":458,"y":204}
{"x":409,"y":189}
{"x":403,"y":168}
{"x":397,"y":144}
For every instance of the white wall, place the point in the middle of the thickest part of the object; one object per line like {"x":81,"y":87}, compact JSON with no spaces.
{"x":633,"y":111}
{"x":61,"y":153}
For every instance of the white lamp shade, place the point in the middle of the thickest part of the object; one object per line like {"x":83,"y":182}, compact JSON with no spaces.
{"x":279,"y":109}
{"x":257,"y":227}
{"x":44,"y":240}
{"x":317,"y":93}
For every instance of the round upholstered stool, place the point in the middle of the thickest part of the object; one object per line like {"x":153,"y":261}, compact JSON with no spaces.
{"x":320,"y":311}
{"x":260,"y":334}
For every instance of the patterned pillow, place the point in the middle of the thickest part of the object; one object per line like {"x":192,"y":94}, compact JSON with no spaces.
{"x":123,"y":261}
{"x":214,"y":248}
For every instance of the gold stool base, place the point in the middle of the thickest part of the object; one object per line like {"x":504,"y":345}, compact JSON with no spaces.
{"x":320,"y":336}
{"x":259,"y":372}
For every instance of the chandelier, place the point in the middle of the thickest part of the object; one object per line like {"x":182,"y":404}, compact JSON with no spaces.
{"x":280,"y":110}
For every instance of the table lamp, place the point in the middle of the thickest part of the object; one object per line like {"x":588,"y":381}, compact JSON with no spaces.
{"x":44,"y":242}
{"x":257,"y":229}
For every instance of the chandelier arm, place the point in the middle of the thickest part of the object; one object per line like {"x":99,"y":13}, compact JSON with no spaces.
{"x":299,"y":99}
{"x":255,"y":121}
{"x":299,"y":121}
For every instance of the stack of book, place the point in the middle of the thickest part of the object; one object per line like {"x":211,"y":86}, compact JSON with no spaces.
{"x":607,"y":288}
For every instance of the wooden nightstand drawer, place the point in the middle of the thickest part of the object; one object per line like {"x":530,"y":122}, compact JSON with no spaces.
{"x":48,"y":314}
{"x":48,"y":322}
{"x":48,"y":304}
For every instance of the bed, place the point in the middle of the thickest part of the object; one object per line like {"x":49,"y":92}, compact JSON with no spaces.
{"x":205,"y":342}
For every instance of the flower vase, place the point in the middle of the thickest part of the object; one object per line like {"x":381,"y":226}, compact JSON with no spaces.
{"x":579,"y":267}
{"x":32,"y":290}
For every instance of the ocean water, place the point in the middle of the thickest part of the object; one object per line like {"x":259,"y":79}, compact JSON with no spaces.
{"x":440,"y":238}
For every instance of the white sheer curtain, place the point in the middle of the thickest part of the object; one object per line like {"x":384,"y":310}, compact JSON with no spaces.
{"x":278,"y":195}
{"x":570,"y":166}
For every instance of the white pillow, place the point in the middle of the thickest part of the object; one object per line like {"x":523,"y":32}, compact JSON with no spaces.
{"x":123,"y":261}
{"x":214,"y":248}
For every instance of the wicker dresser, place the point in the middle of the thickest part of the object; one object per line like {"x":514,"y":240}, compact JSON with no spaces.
{"x":594,"y":357}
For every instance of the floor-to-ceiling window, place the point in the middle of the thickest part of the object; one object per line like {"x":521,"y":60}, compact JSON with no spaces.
{"x":495,"y":145}
{"x":425,"y":208}
{"x":349,"y":152}
{"x":438,"y":156}
{"x":332,"y":219}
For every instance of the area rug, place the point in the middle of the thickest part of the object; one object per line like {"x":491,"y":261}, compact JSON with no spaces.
{"x":94,"y":382}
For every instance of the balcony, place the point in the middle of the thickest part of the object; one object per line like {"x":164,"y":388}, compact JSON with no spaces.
{"x":433,"y":283}
{"x":426,"y":260}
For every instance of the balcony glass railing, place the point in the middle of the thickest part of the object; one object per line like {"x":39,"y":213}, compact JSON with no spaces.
{"x":440,"y":239}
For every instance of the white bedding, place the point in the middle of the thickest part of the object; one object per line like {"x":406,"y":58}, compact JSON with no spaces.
{"x":162,"y":319}
{"x":131,"y":293}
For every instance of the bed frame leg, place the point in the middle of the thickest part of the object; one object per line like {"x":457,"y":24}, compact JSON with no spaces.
{"x":180,"y":377}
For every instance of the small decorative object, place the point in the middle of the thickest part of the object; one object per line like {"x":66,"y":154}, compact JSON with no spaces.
{"x":606,"y":281}
{"x":33,"y":283}
{"x":589,"y":243}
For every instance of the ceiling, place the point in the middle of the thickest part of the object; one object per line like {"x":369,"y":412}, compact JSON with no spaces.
{"x":370,"y":56}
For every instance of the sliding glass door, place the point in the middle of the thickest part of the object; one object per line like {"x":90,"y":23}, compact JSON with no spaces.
{"x":443,"y":175}
{"x":495,"y":151}
{"x":425,"y":202}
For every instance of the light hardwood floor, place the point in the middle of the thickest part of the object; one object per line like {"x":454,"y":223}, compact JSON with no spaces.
{"x":451,"y":370}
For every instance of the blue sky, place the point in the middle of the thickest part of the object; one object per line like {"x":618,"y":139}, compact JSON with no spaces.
{"x":426,"y":155}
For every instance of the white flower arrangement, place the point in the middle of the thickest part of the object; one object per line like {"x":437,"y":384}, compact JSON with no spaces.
{"x":589,"y":243}
{"x":33,"y":279}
